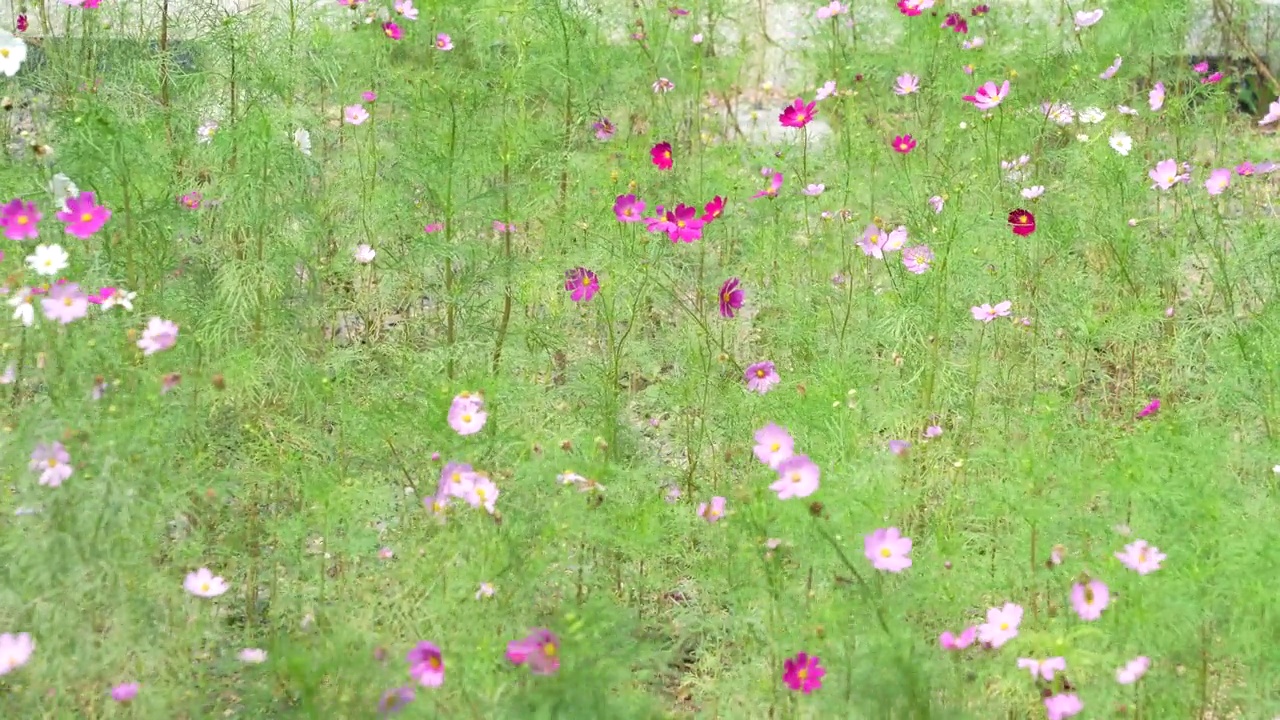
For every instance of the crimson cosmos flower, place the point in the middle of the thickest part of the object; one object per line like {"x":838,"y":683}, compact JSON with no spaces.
{"x":661,"y":154}
{"x":1022,"y":222}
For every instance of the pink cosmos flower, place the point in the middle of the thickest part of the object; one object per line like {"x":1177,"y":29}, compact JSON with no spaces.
{"x":158,"y":335}
{"x":986,"y":313}
{"x":628,"y":208}
{"x":1214,"y":78}
{"x":912,"y":8}
{"x":540,"y":651}
{"x":814,"y":189}
{"x":761,"y":377}
{"x":774,"y":445}
{"x":1043,"y":669}
{"x":1090,"y":599}
{"x":395,"y":699}
{"x":798,"y":114}
{"x":1112,"y":69}
{"x":1152,"y":407}
{"x":1060,"y":707}
{"x":432,"y":228}
{"x":1218,"y":181}
{"x":683,"y":224}
{"x":731,"y":297}
{"x":662,"y":86}
{"x":65,"y":303}
{"x":21,"y":23}
{"x":872,"y":242}
{"x":604,"y":129}
{"x":1088,"y":18}
{"x":1033,"y":192}
{"x":714,"y":512}
{"x":406,"y":8}
{"x":899,"y":447}
{"x":483,"y":494}
{"x":19,"y":220}
{"x":84,"y":216}
{"x":895,"y":239}
{"x":775,"y":184}
{"x":917,"y":259}
{"x":951,"y":642}
{"x":803,"y":673}
{"x":1133,"y":670}
{"x":203,"y":583}
{"x":933,"y":431}
{"x":903,"y":144}
{"x":887,"y":550}
{"x":957,"y":23}
{"x":1165,"y":174}
{"x":426,"y":664}
{"x":906,"y":84}
{"x":355,"y":114}
{"x":1001,"y":625}
{"x":1141,"y":557}
{"x":125,"y":692}
{"x":369,"y":96}
{"x":456,"y":480}
{"x":661,"y":154}
{"x":713,"y":210}
{"x":466,"y":414}
{"x":798,"y":477}
{"x":53,"y":462}
{"x":15,"y":651}
{"x":444,"y":43}
{"x":392,"y":30}
{"x":1156,"y":97}
{"x":832,"y":10}
{"x":581,"y":284}
{"x":1201,"y":67}
{"x":1273,"y":113}
{"x":988,"y":96}
{"x":936,"y":202}
{"x":827,"y":90}
{"x":1245,"y":169}
{"x":191,"y":200}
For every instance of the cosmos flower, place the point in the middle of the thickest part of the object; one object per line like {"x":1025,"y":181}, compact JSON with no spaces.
{"x":203,"y":583}
{"x":1088,"y":18}
{"x":1165,"y":174}
{"x":125,"y":692}
{"x":1090,"y":599}
{"x":15,"y":649}
{"x":53,"y":462}
{"x":1111,"y":70}
{"x":775,"y":184}
{"x":1218,"y":181}
{"x":65,"y":303}
{"x":988,"y":96}
{"x":761,"y":377}
{"x":1121,"y":142}
{"x":364,"y":254}
{"x":663,"y":86}
{"x":713,"y":210}
{"x":661,"y":154}
{"x":986,"y":313}
{"x":1141,"y":557}
{"x":444,"y":43}
{"x":19,"y":220}
{"x":1155,"y":98}
{"x":803,"y":673}
{"x":1133,"y":670}
{"x":1043,"y":669}
{"x":355,"y":114}
{"x":466,"y":414}
{"x":798,"y":114}
{"x":392,"y":30}
{"x":581,"y":284}
{"x":731,"y":297}
{"x":604,"y":129}
{"x":906,"y":84}
{"x":158,"y":335}
{"x":713,"y":512}
{"x":628,"y":208}
{"x":1022,"y":222}
{"x":832,"y":10}
{"x":1062,"y":706}
{"x":1001,"y":625}
{"x":964,"y":640}
{"x":426,"y":664}
{"x":827,"y":90}
{"x":540,"y":651}
{"x":798,"y":477}
{"x":774,"y":445}
{"x":252,"y":656}
{"x":84,"y":216}
{"x":917,"y":259}
{"x":887,"y":550}
{"x":903,"y":144}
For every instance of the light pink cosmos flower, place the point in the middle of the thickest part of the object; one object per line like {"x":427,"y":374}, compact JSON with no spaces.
{"x":124,"y":693}
{"x":814,"y":189}
{"x":988,"y":96}
{"x":1111,"y":70}
{"x":483,"y":494}
{"x":65,"y":303}
{"x":1273,"y":113}
{"x":827,"y":90}
{"x":906,"y":84}
{"x":1165,"y":174}
{"x":1090,"y":599}
{"x":798,"y":477}
{"x":952,"y":642}
{"x":1141,"y":557}
{"x":1218,"y":181}
{"x":887,"y":550}
{"x":466,"y":414}
{"x":832,"y":10}
{"x":84,"y":216}
{"x":895,"y":239}
{"x":936,"y":202}
{"x":53,"y":462}
{"x":1133,"y":670}
{"x":486,"y":590}
{"x":713,"y":512}
{"x":663,"y":86}
{"x":761,"y":377}
{"x":872,"y":242}
{"x":773,"y":445}
{"x":986,"y":313}
{"x":1001,"y":625}
{"x":355,"y":114}
{"x":1060,"y":113}
{"x":203,"y":583}
{"x":1033,"y":192}
{"x":917,"y":259}
{"x":406,"y":8}
{"x":252,"y":656}
{"x":1155,"y":98}
{"x":15,"y":651}
{"x":1088,"y":18}
{"x":159,"y":334}
{"x":444,"y":43}
{"x":1043,"y":669}
{"x":1060,"y":707}
{"x":364,"y":253}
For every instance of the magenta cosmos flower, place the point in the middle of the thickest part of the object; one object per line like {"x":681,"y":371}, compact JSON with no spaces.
{"x":683,"y":224}
{"x":761,"y":377}
{"x":731,"y":297}
{"x":19,"y":220}
{"x":581,"y":284}
{"x":988,"y":96}
{"x":903,"y":144}
{"x":540,"y":651}
{"x":712,"y":512}
{"x":466,"y":414}
{"x":1090,"y":599}
{"x":713,"y":210}
{"x":1001,"y":625}
{"x":774,"y":445}
{"x":1141,"y":557}
{"x":887,"y":550}
{"x":1060,"y":707}
{"x":53,"y":462}
{"x":798,"y":114}
{"x":661,"y":155}
{"x":628,"y":208}
{"x":125,"y":692}
{"x":392,"y":30}
{"x":951,"y":642}
{"x":803,"y":673}
{"x":775,"y":184}
{"x":1152,"y":407}
{"x":798,"y":477}
{"x":159,"y":334}
{"x":917,"y":259}
{"x":604,"y":129}
{"x":912,"y":8}
{"x":84,"y":216}
{"x":426,"y":664}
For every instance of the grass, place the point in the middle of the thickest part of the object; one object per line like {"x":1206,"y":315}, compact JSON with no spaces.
{"x":302,"y":436}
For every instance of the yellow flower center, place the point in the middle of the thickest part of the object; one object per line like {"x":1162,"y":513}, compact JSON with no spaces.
{"x":679,"y":223}
{"x":204,"y":587}
{"x":456,"y":477}
{"x":480,"y":493}
{"x":885,"y":552}
{"x":666,"y":154}
{"x":1004,"y":626}
{"x":466,"y":418}
{"x":22,"y":220}
{"x":434,"y":662}
{"x":85,"y":217}
{"x":53,"y":462}
{"x":760,"y":373}
{"x":1142,"y":557}
{"x":67,"y":301}
{"x":1022,"y":220}
{"x":803,"y":674}
{"x":775,"y":447}
{"x":801,"y":117}
{"x":875,"y":238}
{"x":4,"y":52}
{"x":549,"y":649}
{"x":796,"y":477}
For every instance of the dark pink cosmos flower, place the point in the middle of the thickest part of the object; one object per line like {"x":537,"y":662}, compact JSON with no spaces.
{"x":540,"y":651}
{"x":903,"y":144}
{"x":803,"y":673}
{"x":432,"y":228}
{"x":1201,"y":67}
{"x":683,"y":223}
{"x":678,"y":12}
{"x":628,"y":208}
{"x":659,"y":223}
{"x":713,"y":209}
{"x":661,"y":154}
{"x":1152,"y":408}
{"x":731,"y":297}
{"x":798,"y":114}
{"x":912,"y":8}
{"x":1216,"y":77}
{"x":19,"y":220}
{"x":22,"y":23}
{"x":604,"y":129}
{"x":392,"y":30}
{"x":956,"y":23}
{"x":581,"y":283}
{"x":775,"y":184}
{"x":1244,"y":169}
{"x":1022,"y":222}
{"x":979,"y":10}
{"x":84,"y":216}
{"x":191,"y":200}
